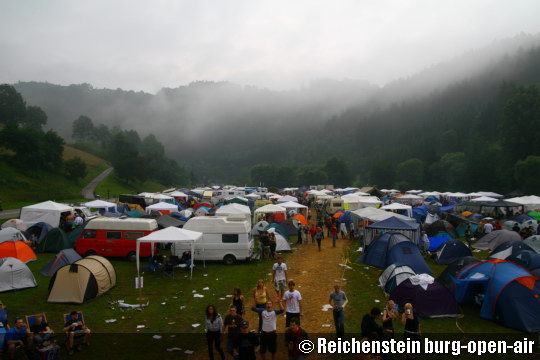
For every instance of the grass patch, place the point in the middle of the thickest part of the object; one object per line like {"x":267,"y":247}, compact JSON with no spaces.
{"x":112,"y":186}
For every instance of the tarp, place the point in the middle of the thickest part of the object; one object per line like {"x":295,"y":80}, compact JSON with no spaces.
{"x":168,"y":220}
{"x":15,"y":275}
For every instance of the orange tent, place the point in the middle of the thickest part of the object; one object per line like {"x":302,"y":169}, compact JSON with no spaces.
{"x":338,"y":214}
{"x":18,"y":250}
{"x":301,"y":219}
{"x":466,"y":213}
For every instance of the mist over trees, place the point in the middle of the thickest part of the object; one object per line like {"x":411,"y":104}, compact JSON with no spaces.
{"x":464,"y":125}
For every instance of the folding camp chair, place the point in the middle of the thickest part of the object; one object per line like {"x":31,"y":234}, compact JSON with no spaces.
{"x":31,"y":321}
{"x":67,"y":317}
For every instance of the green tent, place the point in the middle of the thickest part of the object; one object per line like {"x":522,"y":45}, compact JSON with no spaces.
{"x":534,"y":214}
{"x":236,"y":200}
{"x":54,"y":241}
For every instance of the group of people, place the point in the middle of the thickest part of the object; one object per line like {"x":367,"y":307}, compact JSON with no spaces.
{"x":37,"y":334}
{"x":69,"y":221}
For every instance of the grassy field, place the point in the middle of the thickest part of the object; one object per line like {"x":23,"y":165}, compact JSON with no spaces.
{"x":111,"y":187}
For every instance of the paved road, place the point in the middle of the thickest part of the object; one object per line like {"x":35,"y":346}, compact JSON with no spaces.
{"x":88,"y":191}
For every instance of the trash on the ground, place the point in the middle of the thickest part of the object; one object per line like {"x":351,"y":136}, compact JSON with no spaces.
{"x":110,"y":320}
{"x":163,"y":303}
{"x":189,"y":352}
{"x":327,"y":307}
{"x":229,"y":296}
{"x":360,"y":249}
{"x":182,"y":307}
{"x":326,"y":325}
{"x":194,"y":291}
{"x":345,"y":266}
{"x":132,"y":306}
{"x":221,"y":298}
{"x":198,"y":296}
{"x":205,"y":275}
{"x":377,"y":300}
{"x":174,"y":349}
{"x":206,"y":288}
{"x":195,"y":325}
{"x":157,"y":337}
{"x":141,"y":326}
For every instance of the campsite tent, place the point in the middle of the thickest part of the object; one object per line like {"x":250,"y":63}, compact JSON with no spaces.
{"x":450,"y":251}
{"x":287,"y":198}
{"x":169,"y":235}
{"x":533,"y":242}
{"x":509,"y":248}
{"x":373,"y":214}
{"x":394,"y":224}
{"x":509,"y":293}
{"x":11,"y":234}
{"x":54,"y":241}
{"x":270,"y":209}
{"x":82,"y":281}
{"x":178,"y":194}
{"x":164,"y":221}
{"x":18,"y":250}
{"x":528,"y":259}
{"x":398,"y":207}
{"x":369,"y":201}
{"x":15,"y":223}
{"x":282,"y":245}
{"x":394,"y":275}
{"x":440,"y":225}
{"x":15,"y":275}
{"x":48,"y":212}
{"x":435,"y":242}
{"x":234,"y":209}
{"x":395,"y":248}
{"x":99,"y":204}
{"x":258,"y":227}
{"x":63,"y":258}
{"x":431,"y":299}
{"x":38,"y":231}
{"x":162,"y":207}
{"x":454,"y":268}
{"x":495,"y":238}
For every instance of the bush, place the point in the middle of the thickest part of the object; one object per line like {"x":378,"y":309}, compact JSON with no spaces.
{"x":75,"y":168}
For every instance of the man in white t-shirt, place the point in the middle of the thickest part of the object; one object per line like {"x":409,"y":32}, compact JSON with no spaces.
{"x":293,"y":301}
{"x":280,"y":277}
{"x":488,"y":227}
{"x":269,"y":325}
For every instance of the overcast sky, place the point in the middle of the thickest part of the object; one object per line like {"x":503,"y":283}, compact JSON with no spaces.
{"x":146,"y":45}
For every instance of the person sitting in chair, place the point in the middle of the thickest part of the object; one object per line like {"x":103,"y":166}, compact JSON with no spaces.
{"x":16,"y":337}
{"x":75,"y":327}
{"x":40,"y":330}
{"x":186,"y":258}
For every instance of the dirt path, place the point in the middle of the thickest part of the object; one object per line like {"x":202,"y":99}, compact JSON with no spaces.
{"x":315,"y":274}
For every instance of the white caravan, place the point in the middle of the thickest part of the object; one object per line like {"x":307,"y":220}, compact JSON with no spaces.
{"x":226,"y":239}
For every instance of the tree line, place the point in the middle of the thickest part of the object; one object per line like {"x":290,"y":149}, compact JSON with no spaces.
{"x":25,"y":145}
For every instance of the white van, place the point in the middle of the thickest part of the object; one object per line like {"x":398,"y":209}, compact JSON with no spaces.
{"x":226,"y":239}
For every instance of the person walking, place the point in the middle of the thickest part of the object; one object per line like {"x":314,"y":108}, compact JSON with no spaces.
{"x":334,"y":234}
{"x":338,"y":299}
{"x":319,"y":236}
{"x":293,"y":301}
{"x":213,"y":326}
{"x":248,"y":343}
{"x":312,"y":232}
{"x":343,"y":230}
{"x":280,"y":277}
{"x":269,"y":327}
{"x":238,"y":301}
{"x":260,"y":297}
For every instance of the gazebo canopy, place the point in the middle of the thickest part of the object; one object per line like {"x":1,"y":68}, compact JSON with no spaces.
{"x":99,"y":204}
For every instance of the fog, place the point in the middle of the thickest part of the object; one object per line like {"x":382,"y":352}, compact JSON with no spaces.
{"x":280,"y":45}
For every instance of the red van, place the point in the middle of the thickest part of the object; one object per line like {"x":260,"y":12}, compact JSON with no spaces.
{"x":115,"y":237}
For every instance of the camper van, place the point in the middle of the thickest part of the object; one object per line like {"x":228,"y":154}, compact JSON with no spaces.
{"x":334,"y":205}
{"x":226,"y":239}
{"x":115,"y":237}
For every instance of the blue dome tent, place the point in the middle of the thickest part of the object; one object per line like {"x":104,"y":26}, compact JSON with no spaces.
{"x":450,"y":251}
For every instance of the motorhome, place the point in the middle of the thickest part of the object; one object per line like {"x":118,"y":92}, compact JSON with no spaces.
{"x":226,"y":239}
{"x":115,"y":237}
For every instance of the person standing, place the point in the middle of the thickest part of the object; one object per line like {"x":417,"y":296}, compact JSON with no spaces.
{"x":260,"y":297}
{"x":312,"y":232}
{"x":338,"y":299}
{"x":334,"y":233}
{"x":370,"y":329}
{"x":273,"y":243}
{"x":238,"y":301}
{"x":293,"y":301}
{"x":488,"y":227}
{"x":269,"y":327}
{"x":343,"y":230}
{"x":411,"y":325}
{"x":299,"y":235}
{"x":248,"y":343}
{"x":389,"y":315}
{"x":213,"y":326}
{"x":294,"y":335}
{"x":231,"y":326}
{"x":280,"y":277}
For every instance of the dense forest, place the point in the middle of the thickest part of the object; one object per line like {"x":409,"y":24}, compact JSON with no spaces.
{"x":469,"y":133}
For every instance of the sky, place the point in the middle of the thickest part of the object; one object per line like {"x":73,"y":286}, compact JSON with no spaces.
{"x":147,"y":45}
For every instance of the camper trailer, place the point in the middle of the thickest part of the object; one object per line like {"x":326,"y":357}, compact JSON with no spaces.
{"x":334,"y":205}
{"x":226,"y":239}
{"x":115,"y":237}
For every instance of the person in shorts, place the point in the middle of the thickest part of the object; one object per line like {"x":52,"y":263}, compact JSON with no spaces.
{"x":293,"y":301}
{"x":269,"y":325}
{"x":280,"y":277}
{"x":75,"y":327}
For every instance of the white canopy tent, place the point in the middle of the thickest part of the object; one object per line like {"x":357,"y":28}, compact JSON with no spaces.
{"x":484,"y":199}
{"x":161,"y":197}
{"x":491,"y":194}
{"x":253,"y":196}
{"x":369,"y":201}
{"x":48,"y":212}
{"x":162,"y":206}
{"x":287,"y":198}
{"x":178,"y":194}
{"x":351,"y":198}
{"x":360,"y":193}
{"x":531,"y":202}
{"x":168,"y":235}
{"x":234,"y":209}
{"x":398,"y":206}
{"x":373,"y":214}
{"x":270,"y":209}
{"x":292,"y":205}
{"x":99,"y":204}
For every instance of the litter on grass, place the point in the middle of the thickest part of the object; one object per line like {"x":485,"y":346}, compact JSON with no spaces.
{"x":141,"y":326}
{"x":110,"y":321}
{"x":157,"y":337}
{"x":206,"y":288}
{"x":132,"y":306}
{"x":345,"y":266}
{"x":198,"y":296}
{"x":326,"y":325}
{"x":377,"y":300}
{"x":174,"y":349}
{"x":195,"y":325}
{"x":189,"y":352}
{"x":163,"y":303}
{"x":205,"y":275}
{"x":182,"y":307}
{"x":327,"y":307}
{"x":221,"y":298}
{"x":228,"y":295}
{"x":360,"y":249}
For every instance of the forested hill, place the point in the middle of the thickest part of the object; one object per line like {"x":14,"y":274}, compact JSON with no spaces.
{"x":469,"y":134}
